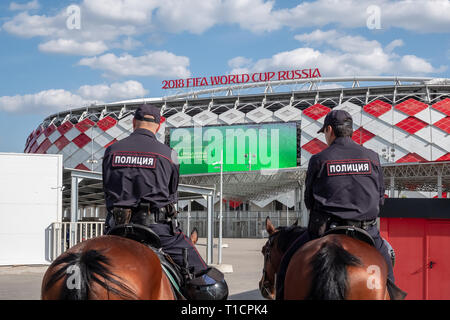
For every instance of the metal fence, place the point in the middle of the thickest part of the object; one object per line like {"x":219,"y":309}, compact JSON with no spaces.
{"x":237,"y":224}
{"x":64,"y":235}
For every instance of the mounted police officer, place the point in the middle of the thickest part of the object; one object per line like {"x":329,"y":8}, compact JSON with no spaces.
{"x":140,"y":181}
{"x":344,"y":187}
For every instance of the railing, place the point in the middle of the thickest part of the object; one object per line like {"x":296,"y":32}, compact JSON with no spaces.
{"x":238,"y":224}
{"x":235,"y":224}
{"x":64,"y":235}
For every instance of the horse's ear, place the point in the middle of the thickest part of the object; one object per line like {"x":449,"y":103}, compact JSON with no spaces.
{"x":295,"y":223}
{"x":269,"y":226}
{"x":194,"y":235}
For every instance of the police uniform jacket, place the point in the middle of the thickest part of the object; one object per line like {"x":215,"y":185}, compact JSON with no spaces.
{"x":139,"y":169}
{"x":345,"y":180}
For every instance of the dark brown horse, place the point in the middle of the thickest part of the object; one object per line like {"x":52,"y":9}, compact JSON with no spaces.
{"x":334,"y":267}
{"x":108,"y":268}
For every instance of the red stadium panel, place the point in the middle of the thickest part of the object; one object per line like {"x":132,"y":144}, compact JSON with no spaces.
{"x":81,"y":140}
{"x":411,"y":125}
{"x":411,"y":106}
{"x":66,"y":126}
{"x":377,"y":108}
{"x":316,"y":111}
{"x":314,"y":146}
{"x":361,"y":136}
{"x":49,"y":130}
{"x":61,"y":142}
{"x":411,"y":157}
{"x":106,"y":123}
{"x":445,"y":157}
{"x":443,"y":106}
{"x":443,"y":124}
{"x":82,"y":167}
{"x":44,"y":146}
{"x":84,"y":125}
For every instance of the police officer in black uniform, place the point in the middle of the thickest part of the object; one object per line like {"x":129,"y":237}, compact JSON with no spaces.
{"x":344,"y":185}
{"x":140,"y":178}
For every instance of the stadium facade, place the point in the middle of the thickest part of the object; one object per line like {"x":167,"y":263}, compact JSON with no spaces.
{"x":405,"y":120}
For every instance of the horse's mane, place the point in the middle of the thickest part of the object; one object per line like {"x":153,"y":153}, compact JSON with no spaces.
{"x":287,"y":235}
{"x":93,"y":267}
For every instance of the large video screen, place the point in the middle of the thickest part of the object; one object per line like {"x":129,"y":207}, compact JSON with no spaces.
{"x":245,"y":147}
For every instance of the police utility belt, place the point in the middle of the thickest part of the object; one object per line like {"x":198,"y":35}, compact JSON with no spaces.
{"x":147,"y":215}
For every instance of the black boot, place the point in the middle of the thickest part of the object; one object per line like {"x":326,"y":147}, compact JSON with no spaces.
{"x":395,"y":293}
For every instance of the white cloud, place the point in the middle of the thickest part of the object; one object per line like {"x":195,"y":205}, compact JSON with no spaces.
{"x":115,"y":91}
{"x":155,"y":63}
{"x":117,"y":22}
{"x":54,"y":100}
{"x":344,"y":55}
{"x":69,"y":46}
{"x":14,"y":6}
{"x":26,"y":26}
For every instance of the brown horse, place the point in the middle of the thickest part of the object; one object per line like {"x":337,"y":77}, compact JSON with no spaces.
{"x":334,"y":267}
{"x":108,"y":268}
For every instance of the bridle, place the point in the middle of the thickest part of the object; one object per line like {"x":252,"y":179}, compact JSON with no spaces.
{"x":267,"y":247}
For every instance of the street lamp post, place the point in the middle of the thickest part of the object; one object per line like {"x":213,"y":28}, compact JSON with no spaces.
{"x":220,"y":210}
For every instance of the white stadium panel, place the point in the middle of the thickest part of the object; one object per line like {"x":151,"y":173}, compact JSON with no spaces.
{"x":260,"y":114}
{"x":205,"y":118}
{"x":376,"y":144}
{"x":179,"y":119}
{"x":429,"y":115}
{"x":126,"y":123}
{"x":393,"y":116}
{"x":93,"y":132}
{"x":380,"y":128}
{"x":76,"y":158}
{"x":52,"y":150}
{"x":72,"y":133}
{"x":92,"y":147}
{"x":103,"y":139}
{"x":417,"y":145}
{"x":68,"y":150}
{"x":351,"y":108}
{"x":54,"y":136}
{"x":288,"y":113}
{"x":232,"y":116}
{"x":437,"y":152}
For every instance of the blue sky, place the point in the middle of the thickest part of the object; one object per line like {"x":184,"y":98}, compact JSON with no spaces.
{"x":123,"y":49}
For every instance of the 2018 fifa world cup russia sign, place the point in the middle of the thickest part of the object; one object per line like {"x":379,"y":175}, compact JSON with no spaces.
{"x":231,"y":79}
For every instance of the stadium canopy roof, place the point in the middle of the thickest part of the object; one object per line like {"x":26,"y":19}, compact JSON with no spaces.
{"x":261,"y":184}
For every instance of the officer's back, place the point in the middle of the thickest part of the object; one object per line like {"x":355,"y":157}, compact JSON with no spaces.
{"x":346,"y":180}
{"x":139,"y":168}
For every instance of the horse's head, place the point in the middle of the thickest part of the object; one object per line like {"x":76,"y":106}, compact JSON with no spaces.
{"x":273,"y":251}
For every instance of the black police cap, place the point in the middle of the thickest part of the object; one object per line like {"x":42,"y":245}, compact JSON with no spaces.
{"x":335,"y":118}
{"x":148,"y":110}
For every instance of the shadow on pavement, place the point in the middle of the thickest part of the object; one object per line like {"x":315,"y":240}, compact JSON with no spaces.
{"x":247,"y":295}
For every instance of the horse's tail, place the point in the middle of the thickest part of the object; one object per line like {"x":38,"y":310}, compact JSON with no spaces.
{"x":329,"y":268}
{"x":81,"y":270}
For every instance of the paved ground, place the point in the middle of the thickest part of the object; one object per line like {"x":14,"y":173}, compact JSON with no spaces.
{"x":24,"y":282}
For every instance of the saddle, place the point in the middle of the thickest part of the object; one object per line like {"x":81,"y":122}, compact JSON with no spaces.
{"x":353,"y":232}
{"x":148,"y":237}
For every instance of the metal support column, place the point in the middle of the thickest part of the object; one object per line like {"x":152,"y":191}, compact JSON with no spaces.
{"x":210,"y":219}
{"x":439,"y":184}
{"x":392,"y":187}
{"x":73,"y":210}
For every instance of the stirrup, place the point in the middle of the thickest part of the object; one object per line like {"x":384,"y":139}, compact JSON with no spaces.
{"x":395,"y":293}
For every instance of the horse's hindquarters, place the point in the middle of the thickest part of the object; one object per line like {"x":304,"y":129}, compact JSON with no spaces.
{"x":106,"y":268}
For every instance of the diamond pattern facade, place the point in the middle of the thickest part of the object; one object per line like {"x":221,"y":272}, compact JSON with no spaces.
{"x":416,"y":131}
